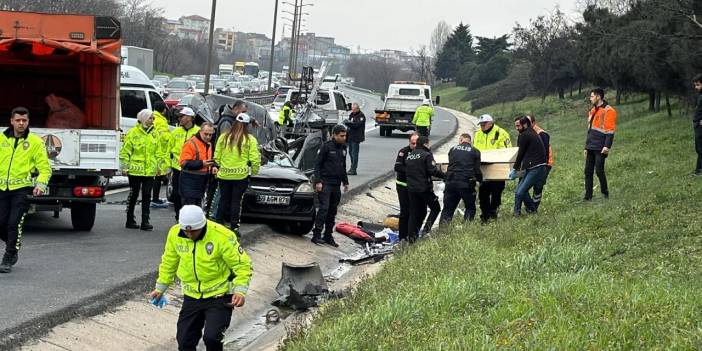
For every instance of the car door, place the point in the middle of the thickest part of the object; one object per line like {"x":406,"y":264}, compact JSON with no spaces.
{"x":131,"y":102}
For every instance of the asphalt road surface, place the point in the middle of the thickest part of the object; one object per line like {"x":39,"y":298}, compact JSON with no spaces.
{"x":62,"y":273}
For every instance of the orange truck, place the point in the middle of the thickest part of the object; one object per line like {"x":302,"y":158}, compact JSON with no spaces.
{"x":66,"y":70}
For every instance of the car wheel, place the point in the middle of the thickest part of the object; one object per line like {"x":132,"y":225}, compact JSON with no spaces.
{"x":301,"y":227}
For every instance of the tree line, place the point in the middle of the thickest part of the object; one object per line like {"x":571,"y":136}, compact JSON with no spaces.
{"x":142,"y":25}
{"x":629,"y":46}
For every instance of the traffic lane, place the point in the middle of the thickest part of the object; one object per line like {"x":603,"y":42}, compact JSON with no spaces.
{"x":61,"y":269}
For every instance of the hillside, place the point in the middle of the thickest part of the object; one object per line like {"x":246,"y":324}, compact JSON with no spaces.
{"x":621,"y":273}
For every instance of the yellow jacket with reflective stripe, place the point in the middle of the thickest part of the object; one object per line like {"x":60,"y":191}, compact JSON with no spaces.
{"x":281,"y":114}
{"x":178,"y":138}
{"x":163,"y":135}
{"x":139,"y":155}
{"x":235,"y":166}
{"x":204,"y":266}
{"x":19,"y":158}
{"x":497,"y":138}
{"x":422,"y":116}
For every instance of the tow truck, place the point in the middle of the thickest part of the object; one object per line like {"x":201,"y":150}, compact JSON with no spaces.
{"x":401,"y":101}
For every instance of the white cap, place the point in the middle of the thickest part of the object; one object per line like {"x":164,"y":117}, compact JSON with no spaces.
{"x":144,"y":115}
{"x":427,"y":102}
{"x":191,"y":217}
{"x":485,"y":119}
{"x":243,"y":118}
{"x":187,"y":111}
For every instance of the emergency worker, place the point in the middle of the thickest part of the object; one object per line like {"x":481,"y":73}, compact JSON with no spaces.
{"x":329,"y":176}
{"x":422,"y":117}
{"x":140,"y":162}
{"x":163,"y":135}
{"x":196,"y":161}
{"x":237,"y":158}
{"x":490,"y":137}
{"x":461,"y":176}
{"x":186,"y":129}
{"x":204,"y":256}
{"x":285,"y":115}
{"x":22,"y":153}
{"x":420,"y":168}
{"x":401,"y":184}
{"x":602,"y":123}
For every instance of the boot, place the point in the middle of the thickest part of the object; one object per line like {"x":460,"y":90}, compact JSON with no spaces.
{"x":317,"y":237}
{"x":8,"y":260}
{"x":131,"y":222}
{"x":329,"y":240}
{"x":145,"y":225}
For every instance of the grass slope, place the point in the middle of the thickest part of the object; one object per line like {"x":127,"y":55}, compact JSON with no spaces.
{"x":622,"y":273}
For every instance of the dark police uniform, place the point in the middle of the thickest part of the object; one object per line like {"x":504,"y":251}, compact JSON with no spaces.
{"x":420,"y":167}
{"x":462,"y":174}
{"x":330,"y":170}
{"x":402,"y":194}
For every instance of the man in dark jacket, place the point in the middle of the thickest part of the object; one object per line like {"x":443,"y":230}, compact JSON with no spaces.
{"x":329,"y":176}
{"x":462,"y":174}
{"x":356,"y":125}
{"x":196,"y":166}
{"x":531,"y":159}
{"x":602,"y":123}
{"x":420,"y":168}
{"x":697,"y":123}
{"x":401,"y":184}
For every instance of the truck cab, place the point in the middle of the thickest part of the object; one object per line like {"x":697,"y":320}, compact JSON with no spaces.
{"x":401,"y":101}
{"x":66,"y":70}
{"x":331,"y":105}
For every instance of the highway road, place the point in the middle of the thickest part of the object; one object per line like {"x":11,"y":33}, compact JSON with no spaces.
{"x":62,"y":273}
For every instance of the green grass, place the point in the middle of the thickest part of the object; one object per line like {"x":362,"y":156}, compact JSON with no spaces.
{"x":452,"y":97}
{"x":622,"y":273}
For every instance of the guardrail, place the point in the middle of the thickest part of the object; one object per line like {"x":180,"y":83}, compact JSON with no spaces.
{"x":261,"y":98}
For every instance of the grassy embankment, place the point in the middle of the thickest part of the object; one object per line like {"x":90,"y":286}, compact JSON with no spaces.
{"x":622,"y":273}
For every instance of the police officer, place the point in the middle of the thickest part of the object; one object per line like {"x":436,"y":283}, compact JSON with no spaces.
{"x":420,"y":168}
{"x":185,"y":130}
{"x":401,"y":184}
{"x":21,"y":154}
{"x":204,"y":256}
{"x":462,"y":174}
{"x":329,"y":176}
{"x":422,"y":117}
{"x":490,"y":137}
{"x":141,"y":163}
{"x":163,"y":135}
{"x":237,"y":157}
{"x":285,"y":115}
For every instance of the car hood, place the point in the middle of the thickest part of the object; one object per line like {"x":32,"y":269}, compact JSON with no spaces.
{"x":289,"y":173}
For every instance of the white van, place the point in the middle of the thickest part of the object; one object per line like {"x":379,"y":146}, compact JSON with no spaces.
{"x":136,"y":92}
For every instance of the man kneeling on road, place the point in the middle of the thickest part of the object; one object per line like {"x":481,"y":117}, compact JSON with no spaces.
{"x":329,"y":175}
{"x":462,"y":174}
{"x":214,"y":272}
{"x":21,"y":154}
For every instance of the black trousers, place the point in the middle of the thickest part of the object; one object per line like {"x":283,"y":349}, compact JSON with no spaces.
{"x":490,"y":196}
{"x":175,"y":192}
{"x":231,"y":196}
{"x":329,"y":199}
{"x":158,"y":181}
{"x":144,"y":185}
{"x":13,"y":209}
{"x":211,"y":191}
{"x":423,"y":131}
{"x":213,"y":314}
{"x":403,"y":197}
{"x":698,"y":148}
{"x":595,"y":164}
{"x":453,"y":194}
{"x":539,"y":188}
{"x":418,"y":212}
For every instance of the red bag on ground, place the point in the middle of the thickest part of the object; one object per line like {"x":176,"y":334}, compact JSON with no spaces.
{"x":63,"y":114}
{"x":353,"y":232}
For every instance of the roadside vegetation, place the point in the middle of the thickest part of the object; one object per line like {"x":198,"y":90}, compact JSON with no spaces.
{"x":621,"y":273}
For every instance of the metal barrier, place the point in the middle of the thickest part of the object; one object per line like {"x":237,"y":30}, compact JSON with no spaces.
{"x":261,"y":99}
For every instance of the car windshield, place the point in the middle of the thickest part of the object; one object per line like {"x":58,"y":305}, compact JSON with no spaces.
{"x":280,"y":99}
{"x":280,"y":160}
{"x":175,"y":96}
{"x":185,"y":100}
{"x":218,"y":83}
{"x":178,"y":85}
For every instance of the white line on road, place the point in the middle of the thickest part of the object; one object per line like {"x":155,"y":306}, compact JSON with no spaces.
{"x":116,"y":191}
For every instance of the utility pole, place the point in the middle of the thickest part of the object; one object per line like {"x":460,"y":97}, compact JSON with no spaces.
{"x":298,"y":11}
{"x":209,"y":48}
{"x":291,"y":71}
{"x":275,"y":22}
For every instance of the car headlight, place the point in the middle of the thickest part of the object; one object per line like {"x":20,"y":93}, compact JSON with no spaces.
{"x":305,"y":188}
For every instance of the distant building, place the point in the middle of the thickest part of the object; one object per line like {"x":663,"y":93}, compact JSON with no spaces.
{"x":188,"y":27}
{"x":225,"y":40}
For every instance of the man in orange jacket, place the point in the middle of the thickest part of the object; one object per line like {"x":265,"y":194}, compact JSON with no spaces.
{"x":196,"y":163}
{"x":602,"y":123}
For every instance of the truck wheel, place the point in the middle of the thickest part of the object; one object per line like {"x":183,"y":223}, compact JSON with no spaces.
{"x":83,"y":216}
{"x":388,"y":132}
{"x":382,"y":131}
{"x":301,"y":227}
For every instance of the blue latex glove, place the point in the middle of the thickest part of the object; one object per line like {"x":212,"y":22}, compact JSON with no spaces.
{"x":513,"y":174}
{"x":161,"y":302}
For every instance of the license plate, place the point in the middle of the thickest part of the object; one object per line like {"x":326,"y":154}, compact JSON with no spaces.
{"x":273,"y":200}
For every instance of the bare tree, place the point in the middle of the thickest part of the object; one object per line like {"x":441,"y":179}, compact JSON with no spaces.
{"x":438,"y":38}
{"x":421,"y":64}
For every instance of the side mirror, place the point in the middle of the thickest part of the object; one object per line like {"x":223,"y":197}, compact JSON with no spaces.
{"x":348,"y":107}
{"x":438,"y":100}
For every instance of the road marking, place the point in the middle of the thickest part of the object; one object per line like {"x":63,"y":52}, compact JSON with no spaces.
{"x":116,"y":191}
{"x":371,"y":129}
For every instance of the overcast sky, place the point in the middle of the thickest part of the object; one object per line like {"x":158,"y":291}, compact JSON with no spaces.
{"x":374,"y":24}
